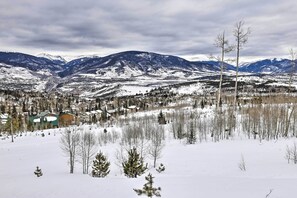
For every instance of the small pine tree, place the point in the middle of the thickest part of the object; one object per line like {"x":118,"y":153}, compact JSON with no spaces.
{"x":148,"y":188}
{"x":38,"y":172}
{"x":100,"y":166}
{"x":134,"y":166}
{"x":202,"y":103}
{"x":161,"y":168}
{"x":161,"y":118}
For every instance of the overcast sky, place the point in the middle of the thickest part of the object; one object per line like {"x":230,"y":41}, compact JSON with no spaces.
{"x":178,"y":27}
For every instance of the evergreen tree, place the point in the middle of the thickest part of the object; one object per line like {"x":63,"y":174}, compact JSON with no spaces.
{"x":148,"y":188}
{"x":161,"y":168}
{"x":202,"y":103}
{"x":134,"y":166}
{"x":100,"y":166}
{"x":38,"y":172}
{"x":161,"y":118}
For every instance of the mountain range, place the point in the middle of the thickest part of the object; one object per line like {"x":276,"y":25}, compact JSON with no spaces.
{"x":45,"y":72}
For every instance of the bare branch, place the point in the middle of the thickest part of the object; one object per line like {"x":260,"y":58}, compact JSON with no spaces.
{"x":241,"y":34}
{"x":270,"y":191}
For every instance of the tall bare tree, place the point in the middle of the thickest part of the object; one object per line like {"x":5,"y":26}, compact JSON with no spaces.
{"x":293,"y":63}
{"x":69,"y":142}
{"x":157,"y":144}
{"x":241,"y":37}
{"x":222,"y":43}
{"x":87,"y":147}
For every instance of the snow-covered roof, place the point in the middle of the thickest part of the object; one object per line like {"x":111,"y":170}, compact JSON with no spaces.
{"x":4,"y":116}
{"x":50,"y":118}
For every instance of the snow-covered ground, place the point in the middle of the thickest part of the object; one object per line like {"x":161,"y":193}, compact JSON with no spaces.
{"x":207,"y":169}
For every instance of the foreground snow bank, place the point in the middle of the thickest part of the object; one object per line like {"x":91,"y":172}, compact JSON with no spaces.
{"x":208,"y":170}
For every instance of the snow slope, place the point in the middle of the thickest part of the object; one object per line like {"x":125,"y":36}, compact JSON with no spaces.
{"x":208,"y":170}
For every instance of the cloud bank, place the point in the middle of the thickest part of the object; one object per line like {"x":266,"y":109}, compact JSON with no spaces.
{"x":184,"y":28}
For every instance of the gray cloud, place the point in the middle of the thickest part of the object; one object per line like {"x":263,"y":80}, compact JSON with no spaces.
{"x":177,"y":27}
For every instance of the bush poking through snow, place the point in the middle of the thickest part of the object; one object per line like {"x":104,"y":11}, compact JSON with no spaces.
{"x":134,"y":166}
{"x":270,"y":191}
{"x":161,"y":168}
{"x":100,"y":166}
{"x":242,"y":164}
{"x":291,"y":154}
{"x":148,"y":188}
{"x":38,"y":172}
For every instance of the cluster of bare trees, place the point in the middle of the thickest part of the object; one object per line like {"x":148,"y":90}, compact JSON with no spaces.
{"x":194,"y":125}
{"x":268,"y":118}
{"x":79,"y":144}
{"x":146,"y":135}
{"x":269,"y":121}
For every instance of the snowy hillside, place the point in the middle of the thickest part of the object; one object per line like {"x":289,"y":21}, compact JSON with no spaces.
{"x":202,"y":170}
{"x":22,"y":78}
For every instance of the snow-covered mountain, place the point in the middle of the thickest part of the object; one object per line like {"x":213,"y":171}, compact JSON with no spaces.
{"x":134,"y":62}
{"x":269,"y":66}
{"x":129,"y":63}
{"x":120,"y":73}
{"x":56,"y":59}
{"x":30,"y":62}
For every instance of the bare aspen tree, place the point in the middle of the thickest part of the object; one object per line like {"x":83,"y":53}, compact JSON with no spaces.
{"x":241,"y":37}
{"x":293,"y":59}
{"x":121,"y":155}
{"x":134,"y":136}
{"x":191,"y":129}
{"x":69,"y":142}
{"x":156,"y":145}
{"x":178,"y":124}
{"x":288,"y":119}
{"x":86,"y":149}
{"x":222,"y":43}
{"x":11,"y":129}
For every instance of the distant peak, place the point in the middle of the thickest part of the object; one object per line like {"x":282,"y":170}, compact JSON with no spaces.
{"x":52,"y":57}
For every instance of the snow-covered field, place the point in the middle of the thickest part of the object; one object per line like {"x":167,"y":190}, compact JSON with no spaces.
{"x":207,"y":170}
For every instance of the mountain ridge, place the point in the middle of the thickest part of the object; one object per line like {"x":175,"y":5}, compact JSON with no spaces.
{"x":118,"y":74}
{"x":140,"y":60}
